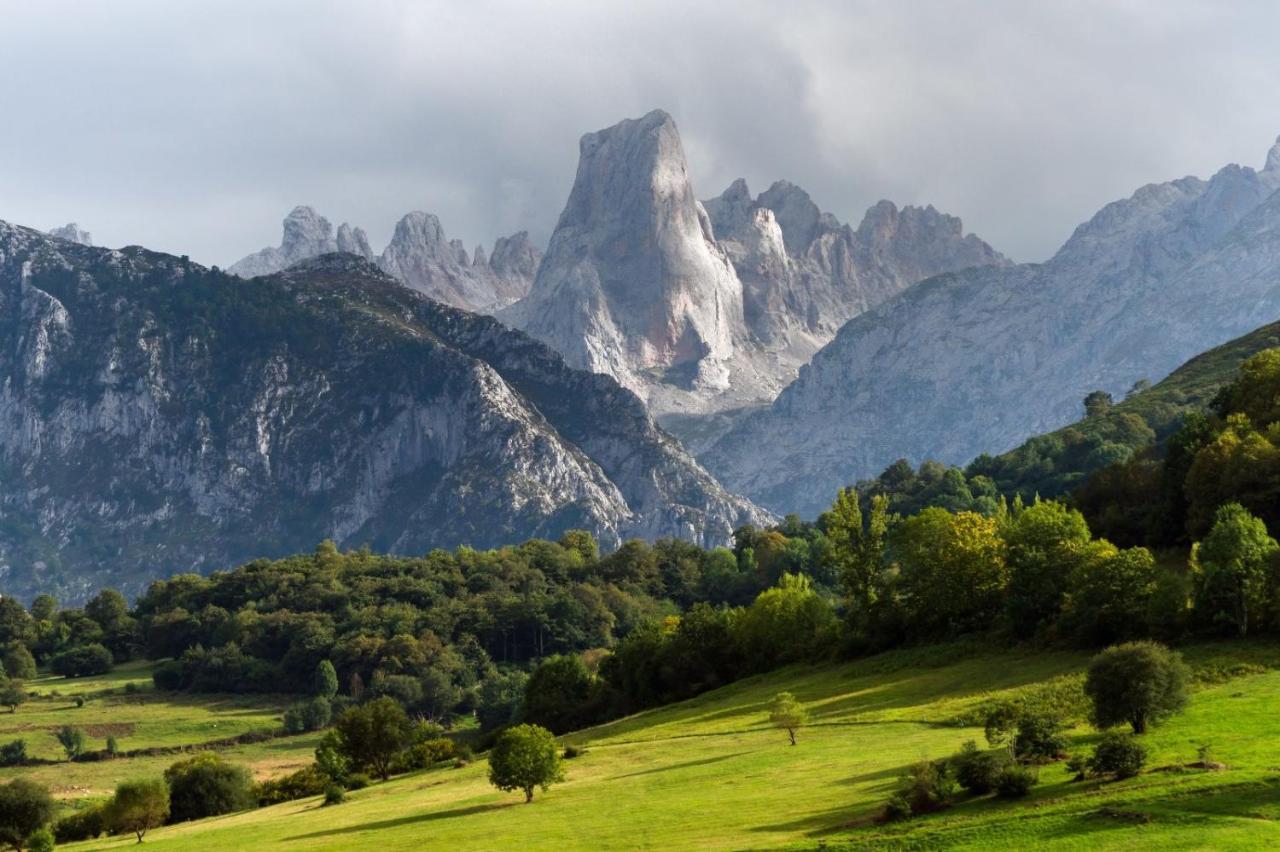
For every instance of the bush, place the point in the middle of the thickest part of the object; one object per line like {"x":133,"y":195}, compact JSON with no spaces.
{"x":371,"y":736}
{"x":206,"y":785}
{"x":72,"y":741}
{"x":896,"y":809}
{"x":929,"y":787}
{"x":979,"y":771}
{"x":167,"y":676}
{"x":81,"y":825}
{"x":18,"y":662}
{"x":24,"y":807}
{"x":40,"y":840}
{"x":425,"y":754}
{"x":138,"y":806}
{"x":334,"y":795}
{"x":1040,"y":736}
{"x":82,"y":660}
{"x":358,"y":781}
{"x":306,"y":782}
{"x":13,"y":753}
{"x":572,"y":751}
{"x":1120,"y":755}
{"x":1138,"y":683}
{"x":1015,"y":781}
{"x":78,"y":700}
{"x":309,"y":715}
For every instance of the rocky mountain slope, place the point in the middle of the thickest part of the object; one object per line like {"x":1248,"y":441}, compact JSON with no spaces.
{"x":419,"y":256}
{"x":157,"y":416}
{"x":73,"y":233}
{"x":705,"y":309}
{"x":976,"y":361}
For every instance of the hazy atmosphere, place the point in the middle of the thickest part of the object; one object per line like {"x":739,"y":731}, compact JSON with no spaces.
{"x":194,"y":129}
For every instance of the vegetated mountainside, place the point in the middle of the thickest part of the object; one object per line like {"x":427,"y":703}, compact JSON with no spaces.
{"x":157,"y":416}
{"x":977,"y":360}
{"x":709,"y":309}
{"x":419,"y":255}
{"x":1055,"y":463}
{"x":710,"y":773}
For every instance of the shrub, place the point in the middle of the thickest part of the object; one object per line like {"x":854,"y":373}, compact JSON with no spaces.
{"x":358,"y":781}
{"x":525,"y":757}
{"x":82,"y":660}
{"x":572,"y":751}
{"x":1077,"y":765}
{"x":334,"y":795}
{"x":896,"y":809}
{"x":40,"y":840}
{"x":13,"y":753}
{"x":206,"y":785}
{"x":978,"y":771}
{"x":306,"y":782}
{"x":372,"y":735}
{"x":1139,"y":683}
{"x":324,"y":681}
{"x":1118,"y":754}
{"x":24,"y":807}
{"x":133,"y":687}
{"x":78,"y":700}
{"x":425,"y":754}
{"x":1015,"y":781}
{"x":12,"y":694}
{"x":929,"y":787}
{"x":1040,"y":735}
{"x":18,"y":662}
{"x":72,"y":741}
{"x":85,"y":824}
{"x":309,"y":715}
{"x":113,"y":747}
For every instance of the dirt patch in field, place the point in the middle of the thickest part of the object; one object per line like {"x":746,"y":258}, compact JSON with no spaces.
{"x":101,"y":730}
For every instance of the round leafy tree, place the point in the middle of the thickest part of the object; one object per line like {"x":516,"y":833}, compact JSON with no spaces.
{"x":525,"y":757}
{"x":206,"y":785}
{"x":787,"y":713}
{"x":24,"y":807}
{"x":1138,"y":683}
{"x":139,"y":806}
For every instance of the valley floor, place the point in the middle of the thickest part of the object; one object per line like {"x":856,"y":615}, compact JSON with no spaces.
{"x":709,"y":774}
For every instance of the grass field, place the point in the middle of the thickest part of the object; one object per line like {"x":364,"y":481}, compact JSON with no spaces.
{"x":142,"y":719}
{"x":709,"y":774}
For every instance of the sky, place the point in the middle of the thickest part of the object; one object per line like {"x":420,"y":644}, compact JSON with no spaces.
{"x":194,"y":127}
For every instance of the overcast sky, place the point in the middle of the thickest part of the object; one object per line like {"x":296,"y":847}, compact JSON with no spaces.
{"x":194,"y":127}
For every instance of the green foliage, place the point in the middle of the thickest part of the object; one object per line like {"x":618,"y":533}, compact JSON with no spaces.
{"x":979,"y":771}
{"x":90,"y":659}
{"x":559,"y":694}
{"x":25,"y":807}
{"x":500,"y":699}
{"x":1045,"y":543}
{"x":1232,"y":565}
{"x":1138,"y":683}
{"x":12,"y":694}
{"x":334,"y":794}
{"x":305,"y":783}
{"x":84,"y":824}
{"x":525,"y":757}
{"x":1015,"y":781}
{"x":331,"y":758}
{"x":371,"y":736}
{"x":788,"y":623}
{"x":952,"y":571}
{"x":426,"y":754}
{"x":788,"y":714}
{"x":41,"y":840}
{"x":72,"y":740}
{"x":1110,"y":594}
{"x":927,"y":788}
{"x":18,"y":662}
{"x":138,"y":806}
{"x":1119,"y":755}
{"x":13,"y":753}
{"x":207,"y":785}
{"x":310,"y":715}
{"x":325,"y":681}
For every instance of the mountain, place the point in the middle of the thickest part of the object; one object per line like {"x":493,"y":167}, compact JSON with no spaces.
{"x":307,"y":234}
{"x":158,"y":416}
{"x":708,"y":309}
{"x":73,"y":233}
{"x":978,"y":360}
{"x":419,"y":256}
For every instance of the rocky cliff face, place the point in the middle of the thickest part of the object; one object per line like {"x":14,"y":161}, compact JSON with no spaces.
{"x":156,"y":416}
{"x":710,"y":309}
{"x":976,"y":361}
{"x":419,"y":255}
{"x":72,"y":233}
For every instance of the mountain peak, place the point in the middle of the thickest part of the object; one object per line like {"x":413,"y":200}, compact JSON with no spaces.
{"x":72,"y":233}
{"x":796,"y":213}
{"x":1273,"y":158}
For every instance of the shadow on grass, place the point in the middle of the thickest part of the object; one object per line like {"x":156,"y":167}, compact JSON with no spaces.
{"x":431,"y":816}
{"x":686,"y":765}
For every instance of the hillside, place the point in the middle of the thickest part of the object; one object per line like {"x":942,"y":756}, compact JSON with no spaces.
{"x":1056,"y":462}
{"x":708,"y":773}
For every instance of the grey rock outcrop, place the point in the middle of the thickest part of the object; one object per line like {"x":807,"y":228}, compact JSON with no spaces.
{"x":978,"y":360}
{"x":307,"y":234}
{"x":150,"y":424}
{"x":73,"y":233}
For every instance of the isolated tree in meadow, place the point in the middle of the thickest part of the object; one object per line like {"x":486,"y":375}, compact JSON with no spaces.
{"x":18,"y":662}
{"x":373,"y":734}
{"x":206,"y":785}
{"x":12,"y":694}
{"x":1138,"y":683}
{"x":787,"y":713}
{"x":525,"y":757}
{"x":139,"y":806}
{"x":324,"y":682}
{"x":1233,"y":560}
{"x":24,"y":807}
{"x":72,"y":740}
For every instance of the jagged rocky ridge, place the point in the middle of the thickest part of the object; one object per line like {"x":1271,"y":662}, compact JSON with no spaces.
{"x":978,"y":360}
{"x":157,"y":416}
{"x":704,"y":309}
{"x":72,"y":233}
{"x":419,"y":255}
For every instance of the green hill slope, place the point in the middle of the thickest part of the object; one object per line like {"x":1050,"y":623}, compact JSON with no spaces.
{"x":1056,"y":462}
{"x":709,"y":774}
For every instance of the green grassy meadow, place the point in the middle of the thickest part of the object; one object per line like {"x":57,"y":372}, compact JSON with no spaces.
{"x":709,"y":773}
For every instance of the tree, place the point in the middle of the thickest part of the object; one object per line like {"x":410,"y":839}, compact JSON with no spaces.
{"x":372,"y":734}
{"x":525,"y":757}
{"x":325,"y":681}
{"x":1139,"y":683}
{"x":24,"y":808}
{"x":1044,"y":543}
{"x":330,"y":758}
{"x":18,"y":662}
{"x":1232,"y":562}
{"x":558,"y":693}
{"x":139,"y":806}
{"x":952,"y":571}
{"x":787,"y":713}
{"x":858,"y":549}
{"x":43,"y":607}
{"x":1097,"y":403}
{"x":89,"y":659}
{"x":72,"y":740}
{"x":784,"y":624}
{"x":206,"y":785}
{"x":12,"y":694}
{"x":1111,"y":593}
